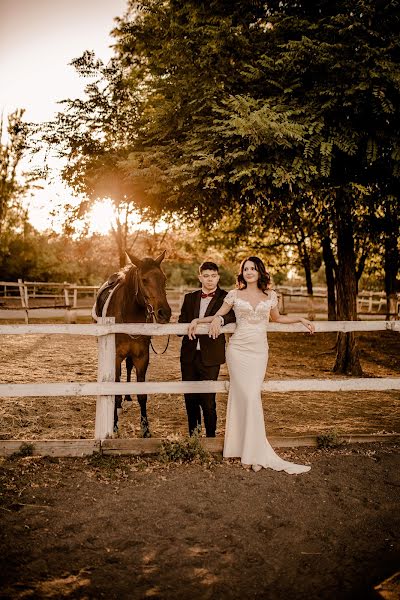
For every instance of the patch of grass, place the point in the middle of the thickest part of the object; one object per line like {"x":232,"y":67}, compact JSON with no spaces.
{"x":141,"y":465}
{"x":108,"y":466}
{"x":50,"y":459}
{"x":328,"y":440}
{"x":103,"y":461}
{"x":25,"y":449}
{"x":187,"y":449}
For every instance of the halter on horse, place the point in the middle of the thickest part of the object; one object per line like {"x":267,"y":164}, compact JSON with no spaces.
{"x":136,"y":294}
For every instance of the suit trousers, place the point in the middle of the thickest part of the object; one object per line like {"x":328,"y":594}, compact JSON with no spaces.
{"x":195,"y":403}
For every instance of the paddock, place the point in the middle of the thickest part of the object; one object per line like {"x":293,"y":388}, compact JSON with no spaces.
{"x":49,"y":387}
{"x":78,"y":521}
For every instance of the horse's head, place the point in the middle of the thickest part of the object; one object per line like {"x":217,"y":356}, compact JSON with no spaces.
{"x":150,"y":284}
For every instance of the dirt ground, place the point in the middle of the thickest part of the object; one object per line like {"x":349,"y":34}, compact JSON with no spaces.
{"x":113,"y":527}
{"x":116,"y":528}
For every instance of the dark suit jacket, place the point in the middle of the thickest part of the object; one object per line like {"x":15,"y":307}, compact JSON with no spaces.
{"x":212,"y":351}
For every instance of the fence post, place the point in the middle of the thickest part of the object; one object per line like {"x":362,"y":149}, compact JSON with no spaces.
{"x":66,"y":293}
{"x":370,"y":303}
{"x":282,"y":309}
{"x":23,"y":292}
{"x":75,"y":302}
{"x":104,"y":426}
{"x":310,"y":307}
{"x":392,"y":307}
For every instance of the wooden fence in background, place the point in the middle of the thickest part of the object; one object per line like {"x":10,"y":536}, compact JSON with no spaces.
{"x":37,"y":300}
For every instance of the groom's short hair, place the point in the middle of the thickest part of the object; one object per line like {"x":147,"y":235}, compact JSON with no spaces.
{"x":208,"y":266}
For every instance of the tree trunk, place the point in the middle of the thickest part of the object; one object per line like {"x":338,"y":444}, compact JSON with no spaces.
{"x":347,"y":357}
{"x":329,"y":262}
{"x":391,"y":260}
{"x":119,"y":240}
{"x":120,"y":236}
{"x":305,"y":260}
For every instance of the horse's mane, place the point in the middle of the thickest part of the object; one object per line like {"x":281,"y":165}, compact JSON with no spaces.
{"x":116,"y":279}
{"x":130,"y":286}
{"x":128,"y":279}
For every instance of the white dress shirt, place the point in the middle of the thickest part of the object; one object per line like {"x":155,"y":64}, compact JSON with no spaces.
{"x":204,"y":302}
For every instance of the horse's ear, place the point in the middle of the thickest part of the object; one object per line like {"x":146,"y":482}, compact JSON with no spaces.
{"x":160,"y":258}
{"x":133,"y":259}
{"x":127,"y":259}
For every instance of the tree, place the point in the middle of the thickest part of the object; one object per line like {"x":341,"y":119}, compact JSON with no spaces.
{"x":308,"y":103}
{"x":93,"y":136}
{"x":391,"y":229}
{"x":12,"y":189}
{"x":261,"y":107}
{"x":16,"y":233}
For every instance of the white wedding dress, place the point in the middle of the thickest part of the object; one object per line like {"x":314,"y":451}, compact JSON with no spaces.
{"x":247,"y":357}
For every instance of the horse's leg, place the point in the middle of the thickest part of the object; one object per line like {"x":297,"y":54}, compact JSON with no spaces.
{"x":141,"y":363}
{"x":118,"y":399}
{"x":129,"y":367}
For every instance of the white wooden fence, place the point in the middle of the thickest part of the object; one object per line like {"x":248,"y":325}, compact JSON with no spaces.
{"x":105,"y":388}
{"x":64,"y":295}
{"x":368,"y":302}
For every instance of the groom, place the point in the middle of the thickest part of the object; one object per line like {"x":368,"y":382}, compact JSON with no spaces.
{"x":202,"y":357}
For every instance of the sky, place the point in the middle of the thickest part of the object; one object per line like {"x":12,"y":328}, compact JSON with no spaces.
{"x":38,"y":40}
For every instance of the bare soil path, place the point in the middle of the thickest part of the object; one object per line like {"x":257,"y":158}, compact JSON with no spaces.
{"x":126,"y":528}
{"x":109,"y":527}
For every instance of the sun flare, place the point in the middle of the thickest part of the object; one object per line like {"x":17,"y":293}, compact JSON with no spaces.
{"x":101,"y":217}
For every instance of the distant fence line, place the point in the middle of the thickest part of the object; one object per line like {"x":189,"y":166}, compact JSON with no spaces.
{"x":66,"y":300}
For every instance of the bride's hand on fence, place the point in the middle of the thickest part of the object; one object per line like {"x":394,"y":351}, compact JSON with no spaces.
{"x":215,"y":328}
{"x":309,"y":324}
{"x":192,"y":329}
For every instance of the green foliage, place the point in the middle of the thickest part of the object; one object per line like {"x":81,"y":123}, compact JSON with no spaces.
{"x":37,"y":256}
{"x":24,"y":450}
{"x":14,"y":144}
{"x":175,"y":277}
{"x":265,"y":120}
{"x":328,"y":440}
{"x":183,"y":450}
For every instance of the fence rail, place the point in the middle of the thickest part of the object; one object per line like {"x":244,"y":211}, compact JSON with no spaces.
{"x":15,"y":390}
{"x":150,"y":329}
{"x":139,"y":446}
{"x":105,"y":388}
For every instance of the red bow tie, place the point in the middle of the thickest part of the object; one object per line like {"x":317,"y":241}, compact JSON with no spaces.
{"x":210,"y":295}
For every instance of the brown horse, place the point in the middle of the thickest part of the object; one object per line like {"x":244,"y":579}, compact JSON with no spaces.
{"x":136,"y":294}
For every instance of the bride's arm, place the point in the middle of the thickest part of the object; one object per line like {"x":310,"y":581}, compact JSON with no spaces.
{"x":278,"y":318}
{"x":225,"y":308}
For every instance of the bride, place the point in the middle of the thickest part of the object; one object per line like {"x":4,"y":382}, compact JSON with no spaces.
{"x":247,"y":356}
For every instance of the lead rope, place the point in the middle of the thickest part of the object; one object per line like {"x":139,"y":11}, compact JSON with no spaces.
{"x":150,"y":314}
{"x":165,"y":349}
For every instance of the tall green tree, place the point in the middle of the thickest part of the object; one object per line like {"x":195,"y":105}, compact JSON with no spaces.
{"x":281,"y":99}
{"x":264,"y":106}
{"x":92,"y":136}
{"x":13,"y":186}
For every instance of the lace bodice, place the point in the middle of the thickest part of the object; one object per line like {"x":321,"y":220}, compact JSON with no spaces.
{"x":244,"y":311}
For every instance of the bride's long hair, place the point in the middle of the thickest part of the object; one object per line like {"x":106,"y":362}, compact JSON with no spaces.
{"x":264,"y":279}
